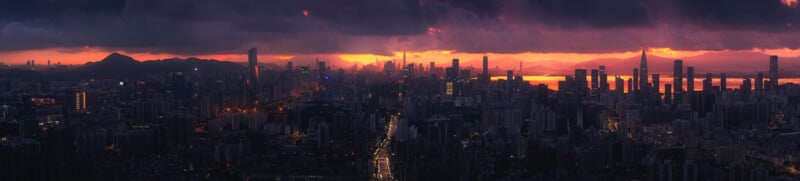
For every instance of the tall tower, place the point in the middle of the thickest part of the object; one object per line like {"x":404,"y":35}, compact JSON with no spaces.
{"x":404,"y":59}
{"x":485,"y":74}
{"x":677,"y":77}
{"x":643,"y":72}
{"x":603,"y":78}
{"x":252,"y":60}
{"x":723,"y":82}
{"x":690,"y":79}
{"x":759,"y":82}
{"x":656,"y":82}
{"x":595,"y":82}
{"x":636,"y":80}
{"x":773,"y":72}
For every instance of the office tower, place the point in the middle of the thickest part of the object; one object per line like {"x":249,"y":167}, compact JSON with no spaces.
{"x":432,"y":67}
{"x":746,"y":87}
{"x":677,"y":77}
{"x":619,"y":84}
{"x":404,"y":58}
{"x":723,"y":82}
{"x":289,"y":66}
{"x":760,"y":82}
{"x":580,"y":80}
{"x":630,"y":84}
{"x":643,"y":72}
{"x":603,"y":78}
{"x":773,"y":72}
{"x":690,"y":79}
{"x":510,"y":75}
{"x":454,"y":70}
{"x":707,"y":82}
{"x":656,"y":82}
{"x":48,"y":63}
{"x":595,"y":82}
{"x":636,"y":80}
{"x":667,"y":93}
{"x":485,"y":74}
{"x":252,"y":60}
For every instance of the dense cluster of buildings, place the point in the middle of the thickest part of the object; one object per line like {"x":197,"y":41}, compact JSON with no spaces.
{"x":397,"y":121}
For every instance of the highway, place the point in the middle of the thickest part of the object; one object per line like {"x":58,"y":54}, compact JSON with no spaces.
{"x":381,"y":159}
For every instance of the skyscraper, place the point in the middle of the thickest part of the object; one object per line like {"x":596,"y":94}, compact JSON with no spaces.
{"x":667,"y":93}
{"x":723,"y":82}
{"x":656,"y":82}
{"x":619,"y":84}
{"x":690,"y":79}
{"x":595,"y":82}
{"x":773,"y":72}
{"x":746,"y":85}
{"x":636,"y":80}
{"x":580,"y":80}
{"x":432,"y":67}
{"x":485,"y":74}
{"x":252,"y":60}
{"x":677,"y":77}
{"x":603,"y":78}
{"x":643,"y":72}
{"x":707,"y":82}
{"x":760,"y":82}
{"x":630,"y":85}
{"x":456,"y":69}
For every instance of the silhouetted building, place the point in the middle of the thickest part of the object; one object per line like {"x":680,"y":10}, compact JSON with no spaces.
{"x":636,"y":80}
{"x":595,"y":82}
{"x":690,"y":79}
{"x":723,"y":82}
{"x":643,"y":72}
{"x":252,"y":62}
{"x":603,"y":78}
{"x":773,"y":72}
{"x":759,"y":82}
{"x":677,"y":77}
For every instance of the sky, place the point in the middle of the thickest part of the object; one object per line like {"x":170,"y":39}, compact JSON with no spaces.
{"x":550,"y":33}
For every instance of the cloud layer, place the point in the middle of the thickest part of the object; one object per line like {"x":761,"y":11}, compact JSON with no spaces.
{"x":191,"y":27}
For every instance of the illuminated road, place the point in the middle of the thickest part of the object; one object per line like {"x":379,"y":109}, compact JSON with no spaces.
{"x":381,"y":163}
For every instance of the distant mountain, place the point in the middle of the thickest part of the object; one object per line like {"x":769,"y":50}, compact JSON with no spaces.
{"x":117,"y":65}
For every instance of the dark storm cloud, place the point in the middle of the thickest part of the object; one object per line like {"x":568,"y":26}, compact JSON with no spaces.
{"x":381,"y":26}
{"x":760,"y":15}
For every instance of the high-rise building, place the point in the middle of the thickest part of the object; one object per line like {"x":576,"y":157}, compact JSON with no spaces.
{"x":707,"y":82}
{"x":619,"y":84}
{"x":603,"y":78}
{"x":723,"y":82}
{"x":595,"y":82}
{"x":643,"y":72}
{"x":636,"y":80}
{"x":485,"y":74}
{"x":759,"y":82}
{"x":509,"y":75}
{"x":432,"y":67}
{"x":80,"y":101}
{"x":668,"y":93}
{"x":773,"y":72}
{"x":456,"y":70}
{"x":746,"y":87}
{"x":289,"y":66}
{"x":580,"y":81}
{"x":677,"y":77}
{"x":630,"y":84}
{"x":252,"y":60}
{"x":404,"y":58}
{"x":656,"y":82}
{"x":690,"y":79}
